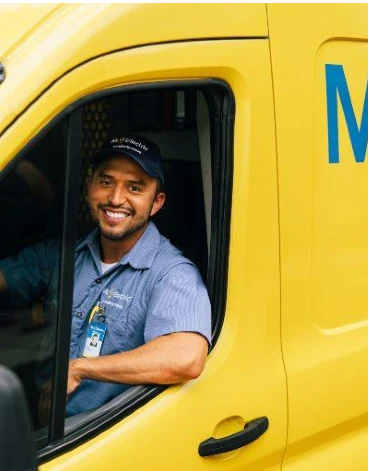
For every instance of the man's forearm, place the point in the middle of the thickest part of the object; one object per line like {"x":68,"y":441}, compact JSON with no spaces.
{"x":169,"y":359}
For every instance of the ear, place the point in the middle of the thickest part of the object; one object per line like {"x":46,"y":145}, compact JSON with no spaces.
{"x":158,"y":203}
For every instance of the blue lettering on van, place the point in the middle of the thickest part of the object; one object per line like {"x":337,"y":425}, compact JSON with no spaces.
{"x":336,"y":84}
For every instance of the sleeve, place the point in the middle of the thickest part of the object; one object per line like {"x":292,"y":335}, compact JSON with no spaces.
{"x":179,"y":303}
{"x":29,"y":273}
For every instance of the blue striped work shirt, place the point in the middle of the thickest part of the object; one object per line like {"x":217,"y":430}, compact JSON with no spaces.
{"x":152,"y":291}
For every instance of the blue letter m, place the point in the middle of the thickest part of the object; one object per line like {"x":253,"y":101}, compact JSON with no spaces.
{"x":336,"y":84}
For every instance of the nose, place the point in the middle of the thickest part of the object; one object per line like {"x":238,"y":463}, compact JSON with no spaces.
{"x":117,"y":196}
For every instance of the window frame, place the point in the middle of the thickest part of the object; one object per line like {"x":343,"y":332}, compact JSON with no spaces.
{"x":63,"y":329}
{"x":55,"y":428}
{"x":220,"y":101}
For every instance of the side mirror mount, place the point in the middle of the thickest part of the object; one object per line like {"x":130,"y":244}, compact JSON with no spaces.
{"x":17,"y":451}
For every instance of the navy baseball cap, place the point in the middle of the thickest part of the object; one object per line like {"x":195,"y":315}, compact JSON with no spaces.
{"x":145,"y":152}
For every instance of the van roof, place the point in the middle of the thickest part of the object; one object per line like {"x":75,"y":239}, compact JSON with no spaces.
{"x":124,"y":25}
{"x":40,"y":43}
{"x":18,"y":21}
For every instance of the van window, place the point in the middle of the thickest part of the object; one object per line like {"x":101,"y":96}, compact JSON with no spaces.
{"x":192,"y":124}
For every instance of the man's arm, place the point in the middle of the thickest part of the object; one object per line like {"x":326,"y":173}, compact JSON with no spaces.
{"x":168,"y":359}
{"x":31,"y":273}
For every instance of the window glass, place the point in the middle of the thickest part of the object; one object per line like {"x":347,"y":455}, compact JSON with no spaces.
{"x":31,"y":211}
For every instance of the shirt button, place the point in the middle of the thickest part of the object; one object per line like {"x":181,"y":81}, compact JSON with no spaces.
{"x":79,"y":314}
{"x":98,"y":281}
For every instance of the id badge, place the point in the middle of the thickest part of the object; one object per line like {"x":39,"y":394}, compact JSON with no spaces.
{"x":95,"y":336}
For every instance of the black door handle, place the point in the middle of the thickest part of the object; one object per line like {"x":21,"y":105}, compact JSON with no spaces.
{"x":252,"y":431}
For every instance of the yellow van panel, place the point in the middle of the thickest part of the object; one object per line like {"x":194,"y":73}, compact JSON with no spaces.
{"x":76,"y":33}
{"x":323,"y":233}
{"x":19,"y":21}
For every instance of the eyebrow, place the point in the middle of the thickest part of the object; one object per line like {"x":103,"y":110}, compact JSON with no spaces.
{"x":104,"y":175}
{"x":138,"y":182}
{"x":131,"y":182}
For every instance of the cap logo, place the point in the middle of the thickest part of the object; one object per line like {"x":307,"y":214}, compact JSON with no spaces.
{"x":146,"y":153}
{"x":129,"y":140}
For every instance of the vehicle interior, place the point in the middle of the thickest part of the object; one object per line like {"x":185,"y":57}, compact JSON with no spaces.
{"x":169,"y":119}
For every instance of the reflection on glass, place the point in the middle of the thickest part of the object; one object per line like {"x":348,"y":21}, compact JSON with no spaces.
{"x":31,"y":210}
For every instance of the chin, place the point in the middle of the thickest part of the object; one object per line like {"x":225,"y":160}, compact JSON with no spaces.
{"x":113,"y":236}
{"x":120,"y":233}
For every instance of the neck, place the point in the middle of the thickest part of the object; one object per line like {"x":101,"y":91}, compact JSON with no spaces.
{"x":114,"y":250}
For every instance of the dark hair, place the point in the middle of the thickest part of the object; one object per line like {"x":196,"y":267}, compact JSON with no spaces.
{"x":159,"y":186}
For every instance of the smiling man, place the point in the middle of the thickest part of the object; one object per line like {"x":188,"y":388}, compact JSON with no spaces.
{"x":146,"y":301}
{"x":133,"y":291}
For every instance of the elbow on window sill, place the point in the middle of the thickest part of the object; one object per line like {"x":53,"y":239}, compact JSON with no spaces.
{"x":187,"y":372}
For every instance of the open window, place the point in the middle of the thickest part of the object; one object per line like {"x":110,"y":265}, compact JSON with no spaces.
{"x":192,"y":123}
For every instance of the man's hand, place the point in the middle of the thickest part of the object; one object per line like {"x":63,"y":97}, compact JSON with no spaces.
{"x":74,"y":377}
{"x":44,"y":405}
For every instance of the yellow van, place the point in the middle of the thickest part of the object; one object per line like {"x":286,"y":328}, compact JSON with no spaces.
{"x":261,"y":112}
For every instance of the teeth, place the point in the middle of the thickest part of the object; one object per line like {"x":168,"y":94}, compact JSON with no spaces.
{"x":116,"y":215}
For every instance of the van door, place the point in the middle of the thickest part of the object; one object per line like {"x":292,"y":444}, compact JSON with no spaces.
{"x":323,"y":173}
{"x":244,"y":379}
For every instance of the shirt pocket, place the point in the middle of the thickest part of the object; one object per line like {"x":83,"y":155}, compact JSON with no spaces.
{"x":116,"y":323}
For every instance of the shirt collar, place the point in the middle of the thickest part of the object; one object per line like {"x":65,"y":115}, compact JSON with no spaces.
{"x":91,"y":240}
{"x":140,"y":257}
{"x":144,"y":251}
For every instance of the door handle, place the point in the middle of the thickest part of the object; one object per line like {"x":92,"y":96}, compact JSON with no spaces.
{"x":252,"y":430}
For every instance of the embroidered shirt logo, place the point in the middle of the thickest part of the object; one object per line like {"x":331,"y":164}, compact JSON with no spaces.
{"x":114,"y":294}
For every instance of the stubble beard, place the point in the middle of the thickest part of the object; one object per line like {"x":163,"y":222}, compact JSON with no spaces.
{"x":128,"y":230}
{"x":135,"y":224}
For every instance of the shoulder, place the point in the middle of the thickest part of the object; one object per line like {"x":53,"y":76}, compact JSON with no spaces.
{"x":171,"y":265}
{"x":168,"y":256}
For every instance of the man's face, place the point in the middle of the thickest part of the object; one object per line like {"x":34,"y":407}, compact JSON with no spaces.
{"x":122,"y":197}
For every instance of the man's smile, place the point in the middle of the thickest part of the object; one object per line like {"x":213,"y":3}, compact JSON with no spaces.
{"x":113,"y":215}
{"x":116,"y":215}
